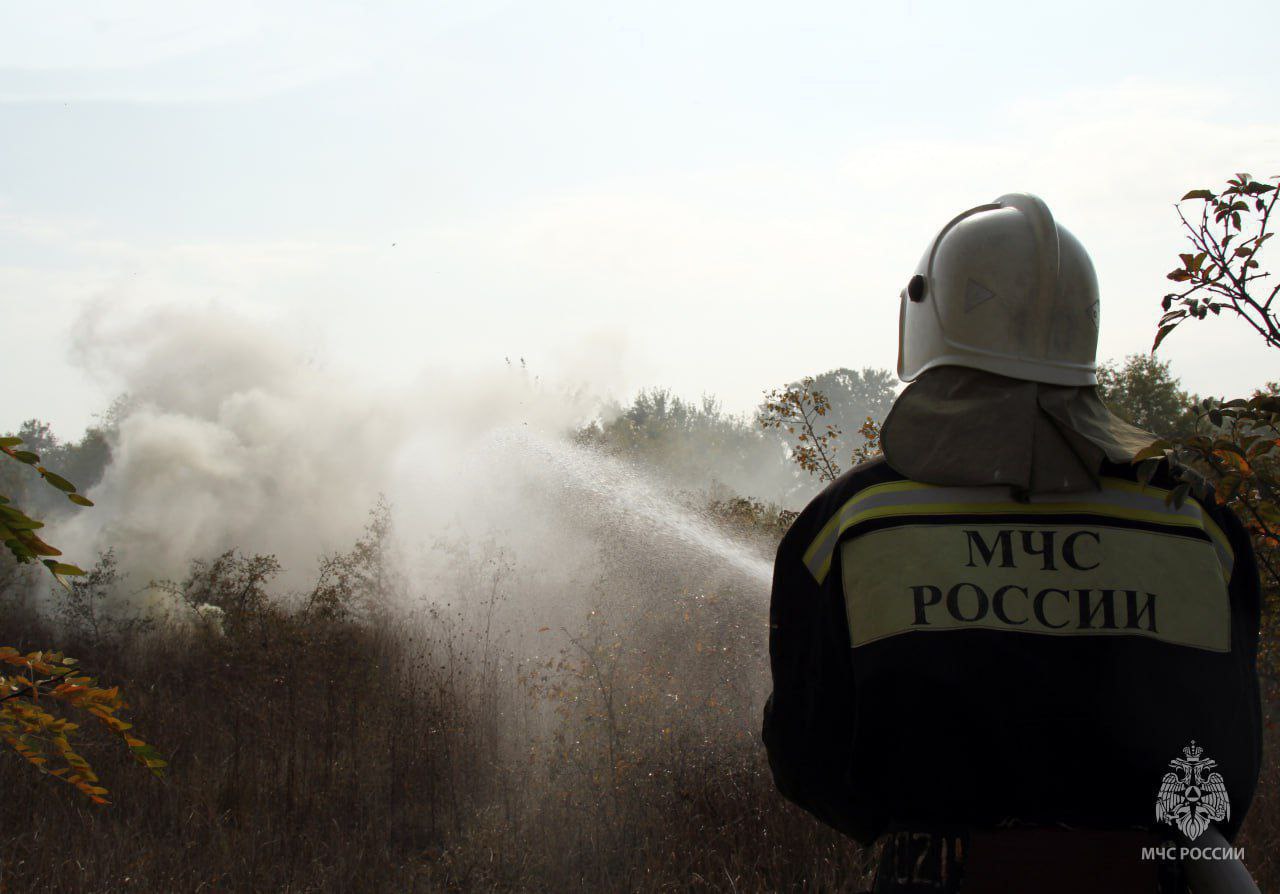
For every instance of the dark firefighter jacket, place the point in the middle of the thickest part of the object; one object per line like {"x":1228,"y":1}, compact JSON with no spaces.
{"x":947,"y":656}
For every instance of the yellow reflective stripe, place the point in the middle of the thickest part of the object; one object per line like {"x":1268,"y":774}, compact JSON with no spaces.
{"x":832,"y":530}
{"x":1225,"y":553}
{"x":1125,"y":501}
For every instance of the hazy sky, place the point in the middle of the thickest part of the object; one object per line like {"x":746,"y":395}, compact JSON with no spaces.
{"x":718,"y":197}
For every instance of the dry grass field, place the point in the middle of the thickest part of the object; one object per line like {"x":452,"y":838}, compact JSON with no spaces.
{"x":454,"y":747}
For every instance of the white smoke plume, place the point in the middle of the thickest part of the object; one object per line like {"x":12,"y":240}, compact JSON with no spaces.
{"x":231,"y":437}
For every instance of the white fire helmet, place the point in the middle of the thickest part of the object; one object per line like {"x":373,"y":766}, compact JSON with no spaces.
{"x":1005,"y":289}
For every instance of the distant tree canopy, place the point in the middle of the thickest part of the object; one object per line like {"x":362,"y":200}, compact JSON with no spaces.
{"x":694,"y":443}
{"x":812,"y":415}
{"x":1143,"y":391}
{"x":660,"y":424}
{"x":854,"y":395}
{"x":83,"y":462}
{"x":698,"y":442}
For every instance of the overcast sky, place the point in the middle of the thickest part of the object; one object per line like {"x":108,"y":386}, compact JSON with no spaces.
{"x":716,"y":197}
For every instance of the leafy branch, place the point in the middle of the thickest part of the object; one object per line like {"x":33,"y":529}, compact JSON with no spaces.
{"x":1238,"y":445}
{"x":870,"y":447}
{"x":41,"y":680}
{"x":1222,"y":270}
{"x":43,"y":738}
{"x":800,"y":410}
{"x":17,"y":529}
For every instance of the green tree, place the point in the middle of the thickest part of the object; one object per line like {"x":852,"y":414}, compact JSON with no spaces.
{"x":854,"y":395}
{"x":84,"y":462}
{"x":693,"y":443}
{"x":1143,"y":391}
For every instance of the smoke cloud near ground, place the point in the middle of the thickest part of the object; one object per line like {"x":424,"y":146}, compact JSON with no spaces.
{"x":231,"y":436}
{"x":560,"y":652}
